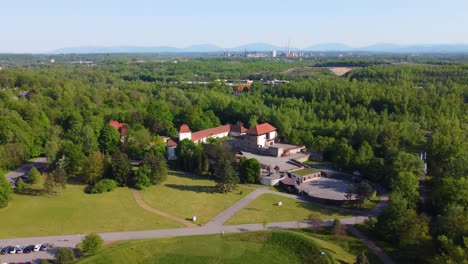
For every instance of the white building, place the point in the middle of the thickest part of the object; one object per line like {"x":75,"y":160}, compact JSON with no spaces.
{"x":265,"y":134}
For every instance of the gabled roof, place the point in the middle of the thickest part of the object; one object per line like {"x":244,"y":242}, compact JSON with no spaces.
{"x":261,"y":129}
{"x":210,"y":132}
{"x":171,"y":142}
{"x":238,"y":128}
{"x":184,"y":129}
{"x":121,"y":127}
{"x":116,"y":124}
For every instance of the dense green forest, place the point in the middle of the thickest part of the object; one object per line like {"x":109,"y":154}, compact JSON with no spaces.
{"x":375,"y":119}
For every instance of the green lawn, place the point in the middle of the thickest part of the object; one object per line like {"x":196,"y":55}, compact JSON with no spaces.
{"x":251,"y":247}
{"x":185,"y":196}
{"x":305,"y":171}
{"x":76,"y":212}
{"x":265,"y":209}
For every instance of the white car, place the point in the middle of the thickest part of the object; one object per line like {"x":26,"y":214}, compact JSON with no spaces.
{"x":20,"y":249}
{"x":37,"y":247}
{"x":13,"y":249}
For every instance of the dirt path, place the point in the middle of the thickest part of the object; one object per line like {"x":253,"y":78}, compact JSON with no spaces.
{"x":148,"y":208}
{"x":371,"y":245}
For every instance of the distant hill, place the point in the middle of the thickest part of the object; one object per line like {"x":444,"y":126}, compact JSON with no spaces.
{"x":329,"y":47}
{"x":336,"y":47}
{"x":256,"y":47}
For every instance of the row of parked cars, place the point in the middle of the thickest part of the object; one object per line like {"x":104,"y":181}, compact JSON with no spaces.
{"x":24,"y":249}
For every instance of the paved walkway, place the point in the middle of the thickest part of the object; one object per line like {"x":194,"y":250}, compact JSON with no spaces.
{"x":148,"y":208}
{"x":231,"y":211}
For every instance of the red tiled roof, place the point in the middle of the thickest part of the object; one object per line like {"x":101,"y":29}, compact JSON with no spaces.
{"x":210,"y":132}
{"x":121,"y":127}
{"x":184,"y":129}
{"x":261,"y":129}
{"x":171,"y":142}
{"x":238,"y":128}
{"x":116,"y":124}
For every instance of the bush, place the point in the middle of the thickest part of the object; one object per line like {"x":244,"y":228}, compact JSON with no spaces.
{"x":34,"y":175}
{"x":45,"y":261}
{"x":64,"y":256}
{"x":20,"y":186}
{"x":105,"y":185}
{"x":91,"y":244}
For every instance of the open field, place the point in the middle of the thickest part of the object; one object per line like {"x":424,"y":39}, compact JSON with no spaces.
{"x":185,"y":196}
{"x":265,"y":209}
{"x":250,"y":247}
{"x":76,"y":212}
{"x":340,"y":71}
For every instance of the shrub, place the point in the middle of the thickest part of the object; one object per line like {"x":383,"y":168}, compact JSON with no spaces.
{"x":64,"y":256}
{"x":20,"y":186}
{"x":34,"y":175}
{"x":91,"y":244}
{"x":105,"y":185}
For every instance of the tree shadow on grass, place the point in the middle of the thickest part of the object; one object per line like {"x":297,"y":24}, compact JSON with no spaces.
{"x":193,"y":188}
{"x":31,"y":192}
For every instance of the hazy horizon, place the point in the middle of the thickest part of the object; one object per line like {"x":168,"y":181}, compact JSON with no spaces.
{"x":44,"y":26}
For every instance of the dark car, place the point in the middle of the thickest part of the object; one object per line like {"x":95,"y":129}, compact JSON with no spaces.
{"x":28,"y":249}
{"x":5,"y":250}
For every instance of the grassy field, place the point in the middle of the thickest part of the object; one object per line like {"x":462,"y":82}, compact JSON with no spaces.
{"x":265,"y":209}
{"x":76,"y":212}
{"x":252,"y":248}
{"x":185,"y":196}
{"x":296,"y":246}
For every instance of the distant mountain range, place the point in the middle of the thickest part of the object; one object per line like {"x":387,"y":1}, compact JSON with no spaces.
{"x":337,"y":47}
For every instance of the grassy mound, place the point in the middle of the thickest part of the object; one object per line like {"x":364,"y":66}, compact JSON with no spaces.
{"x":253,"y":247}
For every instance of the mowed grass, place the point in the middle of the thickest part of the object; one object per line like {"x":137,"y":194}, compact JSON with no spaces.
{"x":186,"y":196}
{"x":265,"y":210}
{"x":250,"y":247}
{"x":76,"y":212}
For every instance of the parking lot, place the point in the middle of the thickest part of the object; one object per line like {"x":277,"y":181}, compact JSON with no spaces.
{"x":32,"y":257}
{"x":39,"y":163}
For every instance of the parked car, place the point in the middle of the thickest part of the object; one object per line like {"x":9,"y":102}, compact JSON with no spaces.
{"x":44,"y":246}
{"x":20,"y":249}
{"x":5,"y":250}
{"x":13,"y":249}
{"x":28,"y":249}
{"x":37,"y":247}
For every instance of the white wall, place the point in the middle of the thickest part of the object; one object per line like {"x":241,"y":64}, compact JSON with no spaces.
{"x":183,"y":136}
{"x":261,"y":140}
{"x":204,"y":140}
{"x":272,"y":135}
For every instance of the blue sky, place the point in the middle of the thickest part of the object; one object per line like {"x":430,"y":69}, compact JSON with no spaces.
{"x":45,"y":25}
